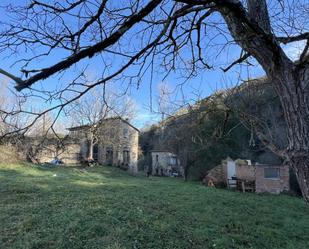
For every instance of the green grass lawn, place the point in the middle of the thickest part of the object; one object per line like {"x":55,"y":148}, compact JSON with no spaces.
{"x":103,"y":207}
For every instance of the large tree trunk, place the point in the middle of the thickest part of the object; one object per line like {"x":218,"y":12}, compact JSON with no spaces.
{"x":294,"y":98}
{"x":90,"y":148}
{"x":300,"y":164}
{"x":252,"y":31}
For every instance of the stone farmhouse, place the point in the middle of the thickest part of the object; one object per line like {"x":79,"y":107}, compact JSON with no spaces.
{"x":242,"y":175}
{"x":116,"y":143}
{"x":165,"y":163}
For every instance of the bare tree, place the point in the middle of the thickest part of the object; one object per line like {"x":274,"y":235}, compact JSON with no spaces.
{"x":166,"y":107}
{"x":10,"y":120}
{"x":177,"y":35}
{"x":92,"y":113}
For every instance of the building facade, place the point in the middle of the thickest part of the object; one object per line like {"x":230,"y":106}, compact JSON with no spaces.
{"x":114,"y":142}
{"x":165,"y":163}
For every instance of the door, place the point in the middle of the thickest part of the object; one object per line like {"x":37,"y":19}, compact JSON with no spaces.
{"x":109,"y":156}
{"x":126,"y":157}
{"x":231,"y":173}
{"x":95,"y":152}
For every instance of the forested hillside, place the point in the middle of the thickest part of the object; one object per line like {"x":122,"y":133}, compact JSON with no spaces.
{"x":238,"y":123}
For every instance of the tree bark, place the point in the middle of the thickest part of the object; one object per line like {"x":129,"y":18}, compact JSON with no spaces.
{"x":251,"y":29}
{"x":260,"y":14}
{"x":300,"y":165}
{"x":90,"y":148}
{"x":294,"y":99}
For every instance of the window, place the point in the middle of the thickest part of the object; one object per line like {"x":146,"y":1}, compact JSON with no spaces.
{"x":173,"y":160}
{"x":272,"y":173}
{"x":125,"y":132}
{"x":73,"y":133}
{"x":126,"y":156}
{"x":112,"y":133}
{"x":157,"y":158}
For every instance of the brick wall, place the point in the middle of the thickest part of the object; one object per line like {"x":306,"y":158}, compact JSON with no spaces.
{"x":245,"y":171}
{"x":269,"y":184}
{"x":252,"y":173}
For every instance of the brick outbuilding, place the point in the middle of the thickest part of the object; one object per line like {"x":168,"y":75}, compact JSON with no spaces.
{"x":246,"y":176}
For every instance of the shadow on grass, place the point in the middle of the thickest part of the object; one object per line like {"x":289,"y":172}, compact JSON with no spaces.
{"x":103,"y":207}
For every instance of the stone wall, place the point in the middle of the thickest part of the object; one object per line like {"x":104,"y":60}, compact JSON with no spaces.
{"x":272,"y":185}
{"x":124,"y":138}
{"x":161,"y":163}
{"x":119,"y":136}
{"x":9,"y":154}
{"x":216,"y":175}
{"x":45,"y":150}
{"x":118,"y":143}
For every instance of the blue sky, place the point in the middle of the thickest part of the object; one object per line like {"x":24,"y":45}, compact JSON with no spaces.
{"x":145,"y":95}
